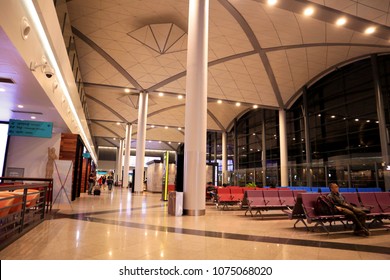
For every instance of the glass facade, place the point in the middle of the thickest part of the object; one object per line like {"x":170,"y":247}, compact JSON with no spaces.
{"x":333,"y":133}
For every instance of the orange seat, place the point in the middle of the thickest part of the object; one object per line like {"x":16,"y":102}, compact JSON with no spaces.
{"x":32,"y":197}
{"x":16,"y":202}
{"x":5,"y":203}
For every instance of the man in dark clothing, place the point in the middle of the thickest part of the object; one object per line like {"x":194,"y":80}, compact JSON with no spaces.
{"x":356,"y":215}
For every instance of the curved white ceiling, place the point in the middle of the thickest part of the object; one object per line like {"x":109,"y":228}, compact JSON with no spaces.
{"x":258,"y":55}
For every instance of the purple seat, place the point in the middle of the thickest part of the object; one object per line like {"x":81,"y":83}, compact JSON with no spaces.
{"x":272,"y":199}
{"x":308,"y":202}
{"x":352,"y":198}
{"x":383,"y":199}
{"x":255,"y":200}
{"x":369,"y":201}
{"x":287,"y":198}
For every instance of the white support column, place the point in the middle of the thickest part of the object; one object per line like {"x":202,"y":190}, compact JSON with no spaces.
{"x":283,"y":149}
{"x":141,"y":138}
{"x":224,"y":157}
{"x":125,"y":181}
{"x":196,"y":109}
{"x":119,"y":158}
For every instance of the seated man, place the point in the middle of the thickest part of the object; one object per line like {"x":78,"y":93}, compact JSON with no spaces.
{"x":210,"y":191}
{"x":356,"y":215}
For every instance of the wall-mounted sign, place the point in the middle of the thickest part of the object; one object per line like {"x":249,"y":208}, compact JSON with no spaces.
{"x":30,"y":128}
{"x":86,"y":155}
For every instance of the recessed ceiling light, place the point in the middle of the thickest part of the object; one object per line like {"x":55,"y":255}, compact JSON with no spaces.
{"x":255,"y":106}
{"x":370,"y":30}
{"x":238,"y":104}
{"x":160,"y":94}
{"x":179,"y":128}
{"x":308,"y":11}
{"x":118,"y":123}
{"x":341,"y":21}
{"x":180,"y":96}
{"x":127,"y":90}
{"x":166,"y":127}
{"x":2,"y":89}
{"x":333,"y":117}
{"x":368,"y":121}
{"x":272,"y":2}
{"x":356,"y":120}
{"x":33,"y":117}
{"x":219,"y":101}
{"x":152,"y":126}
{"x":20,"y":106}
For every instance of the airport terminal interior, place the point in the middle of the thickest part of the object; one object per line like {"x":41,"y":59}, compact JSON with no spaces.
{"x":168,"y":95}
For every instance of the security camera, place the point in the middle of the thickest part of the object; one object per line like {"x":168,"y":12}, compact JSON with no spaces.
{"x":45,"y":67}
{"x":49,"y":72}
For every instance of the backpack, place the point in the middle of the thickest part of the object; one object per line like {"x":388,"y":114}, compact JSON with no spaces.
{"x":323,"y":206}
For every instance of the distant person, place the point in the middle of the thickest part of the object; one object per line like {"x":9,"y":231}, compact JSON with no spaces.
{"x":210,"y":191}
{"x":355,"y":214}
{"x":110,"y":181}
{"x":91,"y":182}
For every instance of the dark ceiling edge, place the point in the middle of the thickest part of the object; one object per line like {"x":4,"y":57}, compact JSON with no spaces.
{"x":313,"y":80}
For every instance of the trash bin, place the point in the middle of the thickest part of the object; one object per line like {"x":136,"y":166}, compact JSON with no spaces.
{"x":175,"y":203}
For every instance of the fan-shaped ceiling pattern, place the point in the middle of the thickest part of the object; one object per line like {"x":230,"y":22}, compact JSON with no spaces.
{"x":259,"y":55}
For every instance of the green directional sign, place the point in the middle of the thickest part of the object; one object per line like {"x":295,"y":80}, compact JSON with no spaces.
{"x":30,"y":128}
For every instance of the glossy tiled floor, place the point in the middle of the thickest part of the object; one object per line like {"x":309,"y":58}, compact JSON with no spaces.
{"x":119,"y":225}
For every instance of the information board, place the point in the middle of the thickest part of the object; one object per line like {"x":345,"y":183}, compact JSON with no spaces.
{"x":30,"y":128}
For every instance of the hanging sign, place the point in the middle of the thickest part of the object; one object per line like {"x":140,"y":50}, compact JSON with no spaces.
{"x":30,"y":128}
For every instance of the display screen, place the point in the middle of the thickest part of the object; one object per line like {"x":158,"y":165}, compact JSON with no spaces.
{"x":3,"y":144}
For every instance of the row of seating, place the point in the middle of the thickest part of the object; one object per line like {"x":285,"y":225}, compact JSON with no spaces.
{"x":326,"y":189}
{"x":265,"y":200}
{"x":378,"y":203}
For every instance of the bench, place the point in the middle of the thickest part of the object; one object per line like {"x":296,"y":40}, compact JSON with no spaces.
{"x":377,"y":202}
{"x":268,"y":199}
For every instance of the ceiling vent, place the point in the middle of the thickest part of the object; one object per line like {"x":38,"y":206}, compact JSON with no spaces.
{"x":6,"y":80}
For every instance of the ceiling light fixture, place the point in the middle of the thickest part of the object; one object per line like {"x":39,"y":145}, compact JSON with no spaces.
{"x":20,"y":106}
{"x":370,"y":30}
{"x":219,"y":101}
{"x":308,"y":11}
{"x":272,"y":2}
{"x":238,"y":104}
{"x":127,"y":90}
{"x":2,"y":89}
{"x":33,"y":117}
{"x":179,"y":128}
{"x":118,"y":123}
{"x":166,"y":127}
{"x":255,"y":106}
{"x":180,"y":96}
{"x":160,"y":94}
{"x":341,"y":21}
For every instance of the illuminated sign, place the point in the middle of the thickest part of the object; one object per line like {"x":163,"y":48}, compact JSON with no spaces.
{"x":30,"y":128}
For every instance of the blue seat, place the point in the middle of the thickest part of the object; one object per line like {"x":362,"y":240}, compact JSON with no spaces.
{"x":369,"y":189}
{"x":346,"y":190}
